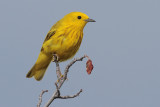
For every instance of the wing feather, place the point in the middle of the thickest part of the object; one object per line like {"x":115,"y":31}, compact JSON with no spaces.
{"x":49,"y":35}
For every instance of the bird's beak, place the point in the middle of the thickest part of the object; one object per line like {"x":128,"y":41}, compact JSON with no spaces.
{"x":90,"y":20}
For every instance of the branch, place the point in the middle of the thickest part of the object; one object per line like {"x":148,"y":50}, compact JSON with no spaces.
{"x":40,"y":97}
{"x":56,"y":94}
{"x":67,"y":69}
{"x":58,"y":71}
{"x":67,"y":97}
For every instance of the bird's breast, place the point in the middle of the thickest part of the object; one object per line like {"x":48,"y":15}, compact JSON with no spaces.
{"x":65,"y":45}
{"x":69,"y":45}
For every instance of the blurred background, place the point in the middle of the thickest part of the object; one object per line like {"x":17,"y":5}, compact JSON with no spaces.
{"x":124,"y":45}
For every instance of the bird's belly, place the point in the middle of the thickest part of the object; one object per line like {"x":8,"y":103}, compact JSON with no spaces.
{"x":64,"y":45}
{"x":65,"y":50}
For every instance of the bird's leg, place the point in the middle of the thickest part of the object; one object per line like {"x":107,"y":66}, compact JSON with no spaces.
{"x":55,"y":58}
{"x":58,"y":71}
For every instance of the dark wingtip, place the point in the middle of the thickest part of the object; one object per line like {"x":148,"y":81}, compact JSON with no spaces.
{"x":28,"y":75}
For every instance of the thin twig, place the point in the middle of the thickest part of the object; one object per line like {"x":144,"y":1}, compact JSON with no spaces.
{"x":58,"y":71}
{"x":56,"y":86}
{"x":67,"y":69}
{"x":67,"y":97}
{"x":56,"y":94}
{"x":40,"y":97}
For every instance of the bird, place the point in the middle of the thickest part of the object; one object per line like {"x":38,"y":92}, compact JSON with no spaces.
{"x":63,"y":40}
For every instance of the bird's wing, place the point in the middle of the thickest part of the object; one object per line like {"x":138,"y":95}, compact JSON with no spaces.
{"x":51,"y":32}
{"x":49,"y":35}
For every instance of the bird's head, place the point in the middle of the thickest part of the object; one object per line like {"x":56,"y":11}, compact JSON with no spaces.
{"x":77,"y":19}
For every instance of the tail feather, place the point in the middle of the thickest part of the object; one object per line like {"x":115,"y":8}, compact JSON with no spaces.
{"x":39,"y":68}
{"x":30,"y":73}
{"x":39,"y":75}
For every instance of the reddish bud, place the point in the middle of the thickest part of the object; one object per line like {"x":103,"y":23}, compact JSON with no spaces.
{"x":89,"y":66}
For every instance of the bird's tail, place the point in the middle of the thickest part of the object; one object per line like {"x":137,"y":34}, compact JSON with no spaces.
{"x":39,"y":68}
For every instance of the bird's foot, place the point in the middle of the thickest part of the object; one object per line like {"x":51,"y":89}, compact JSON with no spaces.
{"x":55,"y":58}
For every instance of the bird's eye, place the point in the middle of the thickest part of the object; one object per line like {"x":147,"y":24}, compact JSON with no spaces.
{"x":79,"y":17}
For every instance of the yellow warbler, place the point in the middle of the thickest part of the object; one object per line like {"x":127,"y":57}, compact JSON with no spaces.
{"x":63,"y":39}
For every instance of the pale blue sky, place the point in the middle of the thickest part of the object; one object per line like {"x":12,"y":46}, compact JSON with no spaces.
{"x":124,"y":45}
